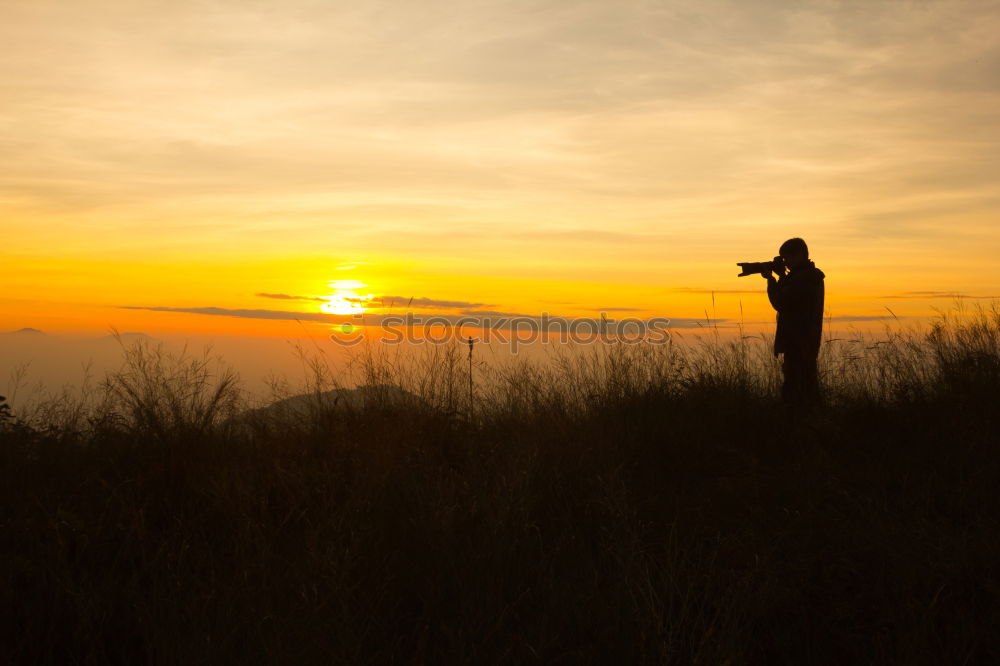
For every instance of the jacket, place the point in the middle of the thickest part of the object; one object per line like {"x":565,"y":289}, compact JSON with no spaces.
{"x":798,"y":299}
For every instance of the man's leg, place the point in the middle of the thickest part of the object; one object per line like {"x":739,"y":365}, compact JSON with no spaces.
{"x":788,"y":384}
{"x":791,"y":387}
{"x":810,"y":380}
{"x":801,"y":384}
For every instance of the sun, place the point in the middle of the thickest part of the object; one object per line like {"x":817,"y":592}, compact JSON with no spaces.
{"x":346,"y":299}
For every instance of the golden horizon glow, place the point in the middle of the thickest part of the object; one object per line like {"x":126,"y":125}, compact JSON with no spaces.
{"x":210,"y":169}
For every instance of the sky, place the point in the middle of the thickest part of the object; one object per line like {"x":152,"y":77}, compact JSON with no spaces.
{"x":229,"y":166}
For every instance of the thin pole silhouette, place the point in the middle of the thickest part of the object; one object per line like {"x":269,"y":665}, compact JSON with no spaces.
{"x":471,"y":406}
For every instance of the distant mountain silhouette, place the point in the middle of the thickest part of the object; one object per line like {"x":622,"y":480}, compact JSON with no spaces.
{"x":363,"y":397}
{"x":127,"y":336}
{"x":313,"y":407}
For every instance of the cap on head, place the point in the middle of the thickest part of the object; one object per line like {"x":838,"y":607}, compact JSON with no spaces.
{"x":794,"y":246}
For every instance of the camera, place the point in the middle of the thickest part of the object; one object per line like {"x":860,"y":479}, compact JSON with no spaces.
{"x":776,"y":265}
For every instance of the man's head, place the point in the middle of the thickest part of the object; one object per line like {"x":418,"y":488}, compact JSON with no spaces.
{"x":795,"y":252}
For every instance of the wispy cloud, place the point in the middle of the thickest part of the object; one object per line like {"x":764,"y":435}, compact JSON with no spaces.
{"x":243,"y":313}
{"x":473,"y":318}
{"x":495,"y":313}
{"x":920,"y":295}
{"x":289,"y":297}
{"x":421,"y":303}
{"x":573,"y":235}
{"x":617,"y":309}
{"x":850,"y":317}
{"x":634,"y":141}
{"x":696,"y":290}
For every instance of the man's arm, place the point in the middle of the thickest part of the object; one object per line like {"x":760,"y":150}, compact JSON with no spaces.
{"x":773,"y":291}
{"x":792,"y":294}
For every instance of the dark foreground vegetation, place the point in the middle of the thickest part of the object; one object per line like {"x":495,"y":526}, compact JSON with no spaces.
{"x":635,"y":505}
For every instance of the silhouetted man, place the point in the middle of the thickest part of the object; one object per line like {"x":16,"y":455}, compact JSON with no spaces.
{"x":798,"y":298}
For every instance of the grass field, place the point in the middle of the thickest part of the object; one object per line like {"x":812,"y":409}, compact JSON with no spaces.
{"x":634,"y":504}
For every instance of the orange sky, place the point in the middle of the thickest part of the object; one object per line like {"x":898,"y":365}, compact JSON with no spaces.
{"x":525,"y":157}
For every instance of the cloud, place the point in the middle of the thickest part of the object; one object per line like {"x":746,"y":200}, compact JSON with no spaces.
{"x":927,"y":217}
{"x":473,"y":318}
{"x":494,"y":313}
{"x":289,"y":297}
{"x":864,"y":317}
{"x":625,"y":138}
{"x":383,"y":301}
{"x":243,"y":313}
{"x":842,"y":318}
{"x":617,"y":309}
{"x":934,"y":294}
{"x":591,"y":236}
{"x":693,"y":290}
{"x":422,"y":303}
{"x":701,"y":323}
